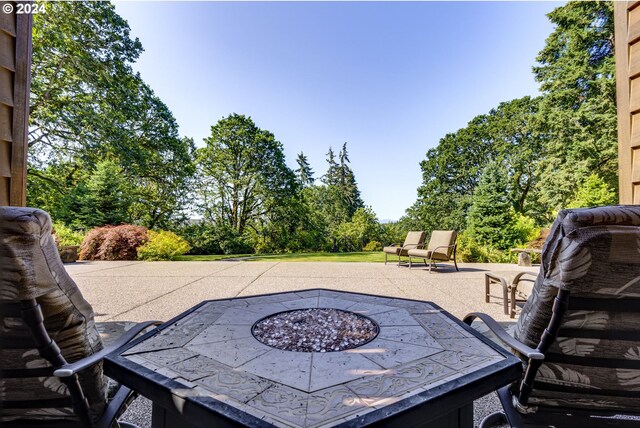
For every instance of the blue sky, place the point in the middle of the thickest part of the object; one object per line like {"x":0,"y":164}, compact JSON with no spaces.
{"x":390,"y":79}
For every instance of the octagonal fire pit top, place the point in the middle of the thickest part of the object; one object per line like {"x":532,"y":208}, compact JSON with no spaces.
{"x":412,"y":346}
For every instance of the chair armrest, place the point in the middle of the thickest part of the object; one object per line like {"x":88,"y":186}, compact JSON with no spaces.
{"x":530,"y":353}
{"x":519,"y":277}
{"x":409,"y":246}
{"x":73,"y":368}
{"x":443,"y":246}
{"x":397,"y":244}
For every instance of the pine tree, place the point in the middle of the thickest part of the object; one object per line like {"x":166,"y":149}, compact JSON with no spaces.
{"x":348,"y":186}
{"x":304,"y":172}
{"x":492,"y":218}
{"x":332,"y":177}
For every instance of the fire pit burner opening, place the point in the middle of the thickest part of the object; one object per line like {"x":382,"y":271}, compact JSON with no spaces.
{"x":315,"y":330}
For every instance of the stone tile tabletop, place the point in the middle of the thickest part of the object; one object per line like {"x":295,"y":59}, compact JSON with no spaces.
{"x":211,"y":352}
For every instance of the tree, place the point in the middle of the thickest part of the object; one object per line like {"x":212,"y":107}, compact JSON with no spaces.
{"x":348,"y":188}
{"x":87,"y":105}
{"x":304,"y":171}
{"x":81,"y":80}
{"x":244,"y":174}
{"x":576,"y":69}
{"x":103,"y":198}
{"x":362,"y":228}
{"x":451,"y":171}
{"x":332,"y":177}
{"x":492,"y":218}
{"x":520,"y":136}
{"x":594,"y":192}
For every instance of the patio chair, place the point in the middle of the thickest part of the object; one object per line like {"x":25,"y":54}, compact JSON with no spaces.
{"x":44,"y":324}
{"x":413,"y":240}
{"x":519,"y":289}
{"x":579,"y":332}
{"x":441,"y":247}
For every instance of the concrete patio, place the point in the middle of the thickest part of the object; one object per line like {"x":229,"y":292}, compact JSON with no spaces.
{"x":137,"y":291}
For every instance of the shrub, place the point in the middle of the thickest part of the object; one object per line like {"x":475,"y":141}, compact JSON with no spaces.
{"x":207,"y":238}
{"x":64,"y":236}
{"x":526,"y":229}
{"x":113,"y":242}
{"x":163,"y":245}
{"x":469,"y":250}
{"x":373,"y":246}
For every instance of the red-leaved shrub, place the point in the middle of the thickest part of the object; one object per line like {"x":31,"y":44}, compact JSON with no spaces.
{"x":113,"y":242}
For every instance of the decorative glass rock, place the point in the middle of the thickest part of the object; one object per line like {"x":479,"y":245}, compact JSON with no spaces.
{"x":315,"y":330}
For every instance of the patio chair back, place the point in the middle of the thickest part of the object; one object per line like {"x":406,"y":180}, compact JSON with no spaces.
{"x":414,"y":238}
{"x":44,"y":322}
{"x":440,"y":244}
{"x":584,"y":314}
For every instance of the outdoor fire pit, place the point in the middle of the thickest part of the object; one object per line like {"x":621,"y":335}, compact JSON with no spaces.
{"x":313,"y":358}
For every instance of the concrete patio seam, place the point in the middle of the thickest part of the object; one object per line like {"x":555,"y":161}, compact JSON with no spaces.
{"x":157,"y":297}
{"x":255,"y":279}
{"x":134,"y":262}
{"x":216,"y":273}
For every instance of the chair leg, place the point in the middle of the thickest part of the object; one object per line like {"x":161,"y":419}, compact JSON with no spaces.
{"x":487,"y":284}
{"x":491,"y":278}
{"x":455,"y":263}
{"x":409,"y":262}
{"x":385,"y":258}
{"x":505,"y":297}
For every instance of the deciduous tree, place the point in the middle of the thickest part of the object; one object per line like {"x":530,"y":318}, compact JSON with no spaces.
{"x":244,"y":173}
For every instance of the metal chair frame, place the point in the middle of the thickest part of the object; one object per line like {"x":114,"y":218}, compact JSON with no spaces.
{"x":517,"y":396}
{"x":31,"y":314}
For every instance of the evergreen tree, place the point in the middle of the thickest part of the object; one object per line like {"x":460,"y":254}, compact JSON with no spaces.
{"x":103,"y":198}
{"x":348,"y":188}
{"x":576,"y":70}
{"x":332,"y":177}
{"x":492,"y":218}
{"x":304,"y":172}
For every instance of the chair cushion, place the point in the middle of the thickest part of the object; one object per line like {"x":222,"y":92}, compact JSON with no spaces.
{"x":414,"y":238}
{"x":392,"y":250}
{"x":31,"y":268}
{"x":418,"y":252}
{"x":592,"y":253}
{"x":442,"y":238}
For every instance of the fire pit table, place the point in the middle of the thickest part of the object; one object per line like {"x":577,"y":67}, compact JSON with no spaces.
{"x":313,"y":358}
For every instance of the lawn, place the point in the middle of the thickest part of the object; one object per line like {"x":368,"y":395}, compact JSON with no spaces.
{"x":375,"y":256}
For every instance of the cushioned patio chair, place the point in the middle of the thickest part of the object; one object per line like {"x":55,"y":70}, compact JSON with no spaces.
{"x":579,"y":332}
{"x":413,"y":240}
{"x":441,"y":248}
{"x":46,"y":326}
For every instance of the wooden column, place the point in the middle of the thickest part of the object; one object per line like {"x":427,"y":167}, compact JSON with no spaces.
{"x":15,"y":83}
{"x":627,"y":36}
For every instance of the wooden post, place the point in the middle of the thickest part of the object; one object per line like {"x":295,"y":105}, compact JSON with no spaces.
{"x":627,"y":42}
{"x":15,"y":86}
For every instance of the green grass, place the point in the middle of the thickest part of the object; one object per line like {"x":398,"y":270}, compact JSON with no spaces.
{"x":210,"y":258}
{"x":374,"y":256}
